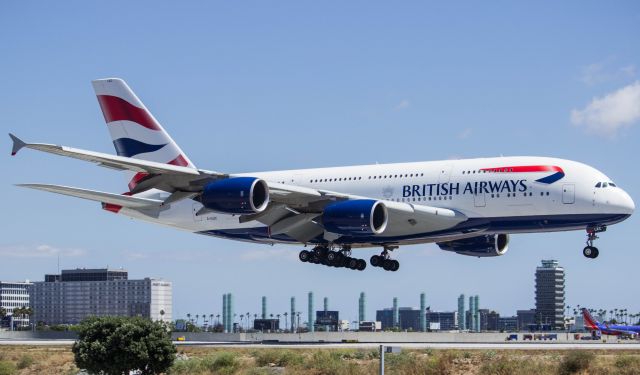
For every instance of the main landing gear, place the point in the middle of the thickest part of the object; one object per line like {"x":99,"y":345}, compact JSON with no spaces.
{"x":591,"y":251}
{"x":383,"y":260}
{"x":331,"y":258}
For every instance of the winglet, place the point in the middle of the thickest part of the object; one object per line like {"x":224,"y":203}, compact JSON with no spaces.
{"x":17,"y":144}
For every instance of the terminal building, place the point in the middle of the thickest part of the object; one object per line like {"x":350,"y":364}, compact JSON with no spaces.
{"x":73,"y":295}
{"x":550,"y":295}
{"x":14,"y":294}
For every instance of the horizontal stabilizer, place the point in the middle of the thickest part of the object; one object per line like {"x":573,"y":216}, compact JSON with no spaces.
{"x":98,"y":196}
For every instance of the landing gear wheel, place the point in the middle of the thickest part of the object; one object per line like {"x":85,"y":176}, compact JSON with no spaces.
{"x":590,"y":252}
{"x":304,"y":256}
{"x":352,"y":263}
{"x":331,"y":256}
{"x":361,"y":265}
{"x":395,"y":265}
{"x":376,"y":260}
{"x":387,"y":264}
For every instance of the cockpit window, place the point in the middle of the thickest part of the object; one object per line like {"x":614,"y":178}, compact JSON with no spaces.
{"x":604,"y":184}
{"x":599,"y":184}
{"x":612,"y":184}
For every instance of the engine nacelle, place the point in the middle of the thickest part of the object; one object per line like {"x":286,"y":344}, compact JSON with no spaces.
{"x":358,"y":217}
{"x":491,"y":245}
{"x":236,"y":195}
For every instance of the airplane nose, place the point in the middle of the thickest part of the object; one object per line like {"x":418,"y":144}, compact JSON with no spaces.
{"x":625,"y":203}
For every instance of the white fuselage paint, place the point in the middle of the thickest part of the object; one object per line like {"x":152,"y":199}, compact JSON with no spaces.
{"x":518,"y":197}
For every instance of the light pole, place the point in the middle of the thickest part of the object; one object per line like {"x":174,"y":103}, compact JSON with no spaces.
{"x":286,"y":322}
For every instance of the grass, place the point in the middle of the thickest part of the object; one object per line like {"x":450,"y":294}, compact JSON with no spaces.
{"x":21,"y":360}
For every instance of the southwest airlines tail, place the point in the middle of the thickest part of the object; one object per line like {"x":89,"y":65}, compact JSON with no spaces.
{"x":589,"y":322}
{"x":134,"y":131}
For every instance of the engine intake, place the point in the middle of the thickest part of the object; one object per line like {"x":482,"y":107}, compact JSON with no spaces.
{"x":236,"y":195}
{"x":356,"y":217}
{"x":490,"y":245}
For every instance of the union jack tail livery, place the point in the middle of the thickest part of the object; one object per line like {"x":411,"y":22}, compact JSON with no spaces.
{"x":134,"y":131}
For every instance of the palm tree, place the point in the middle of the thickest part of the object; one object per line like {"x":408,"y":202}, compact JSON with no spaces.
{"x":189,"y":317}
{"x":197,"y":317}
{"x":217,"y":319}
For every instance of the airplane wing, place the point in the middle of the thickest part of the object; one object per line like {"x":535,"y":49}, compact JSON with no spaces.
{"x":167,"y":177}
{"x":98,"y":196}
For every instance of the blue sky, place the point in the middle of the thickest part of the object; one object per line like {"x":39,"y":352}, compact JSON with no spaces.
{"x":266,"y":85}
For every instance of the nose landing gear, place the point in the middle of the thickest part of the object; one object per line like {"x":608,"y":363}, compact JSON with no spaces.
{"x":591,"y":251}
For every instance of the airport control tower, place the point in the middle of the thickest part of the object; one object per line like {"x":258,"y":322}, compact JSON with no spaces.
{"x":550,"y":295}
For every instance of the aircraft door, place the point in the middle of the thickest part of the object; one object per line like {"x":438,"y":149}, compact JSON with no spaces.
{"x":568,"y":194}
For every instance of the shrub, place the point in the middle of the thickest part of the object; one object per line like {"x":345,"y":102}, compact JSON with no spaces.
{"x":221,"y":363}
{"x":116,"y":345}
{"x":25,"y":361}
{"x":7,"y":368}
{"x":575,"y":361}
{"x":626,"y":364}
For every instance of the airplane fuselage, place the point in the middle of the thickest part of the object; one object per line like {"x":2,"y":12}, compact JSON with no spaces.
{"x":497,"y":195}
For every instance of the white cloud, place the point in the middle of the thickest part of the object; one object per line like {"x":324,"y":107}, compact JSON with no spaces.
{"x":404,"y":104}
{"x":40,"y":251}
{"x":602,"y":72}
{"x":607,"y":114}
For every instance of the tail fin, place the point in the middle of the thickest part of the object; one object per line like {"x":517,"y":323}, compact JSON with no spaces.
{"x":134,"y":131}
{"x":589,"y":322}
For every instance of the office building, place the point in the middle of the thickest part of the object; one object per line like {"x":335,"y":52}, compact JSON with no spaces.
{"x":327,"y":320}
{"x":508,"y":323}
{"x":74,"y":295}
{"x":550,"y":295}
{"x":442,"y":320}
{"x":408,"y":318}
{"x":526,"y":319}
{"x":15,"y":294}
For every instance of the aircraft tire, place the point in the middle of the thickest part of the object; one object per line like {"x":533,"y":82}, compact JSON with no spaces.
{"x":376,"y":261}
{"x":361,"y":265}
{"x":304,"y":256}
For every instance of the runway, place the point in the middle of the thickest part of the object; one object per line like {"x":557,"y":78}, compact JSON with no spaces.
{"x":634,"y":345}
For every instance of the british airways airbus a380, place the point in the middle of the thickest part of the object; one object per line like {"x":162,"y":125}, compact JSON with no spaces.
{"x":466,"y":206}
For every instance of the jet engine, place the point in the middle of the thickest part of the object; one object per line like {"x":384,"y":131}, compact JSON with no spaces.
{"x":358,"y":217}
{"x":491,"y":245}
{"x":236,"y":195}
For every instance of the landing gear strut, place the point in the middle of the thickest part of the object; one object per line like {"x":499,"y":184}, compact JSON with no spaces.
{"x":591,"y":251}
{"x":324,"y":255}
{"x":383,"y":260}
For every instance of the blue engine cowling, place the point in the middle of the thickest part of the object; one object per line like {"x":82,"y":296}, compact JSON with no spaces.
{"x":236,"y":195}
{"x":355,"y":217}
{"x":490,"y":245}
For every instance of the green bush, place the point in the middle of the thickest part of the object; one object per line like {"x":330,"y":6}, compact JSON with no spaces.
{"x":185,"y":367}
{"x":116,"y":345}
{"x":221,"y":363}
{"x":7,"y":368}
{"x":575,"y":361}
{"x":25,"y":361}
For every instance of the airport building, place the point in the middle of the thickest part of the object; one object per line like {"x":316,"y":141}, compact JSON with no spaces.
{"x":14,"y":294}
{"x":74,"y":295}
{"x":526,"y":319}
{"x":550,"y":295}
{"x":408,"y":318}
{"x":442,"y":320}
